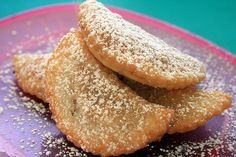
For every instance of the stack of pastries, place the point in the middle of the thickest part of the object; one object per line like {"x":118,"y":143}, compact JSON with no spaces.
{"x":113,"y":88}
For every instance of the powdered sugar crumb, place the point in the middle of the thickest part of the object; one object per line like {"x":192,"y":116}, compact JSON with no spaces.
{"x":1,"y":109}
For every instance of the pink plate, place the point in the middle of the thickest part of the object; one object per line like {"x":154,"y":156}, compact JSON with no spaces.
{"x":26,"y":128}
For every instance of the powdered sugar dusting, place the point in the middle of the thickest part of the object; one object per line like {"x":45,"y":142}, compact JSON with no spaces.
{"x":217,"y":137}
{"x":30,"y":73}
{"x":193,"y":107}
{"x":131,"y":45}
{"x":25,"y":120}
{"x":52,"y":143}
{"x":98,"y":109}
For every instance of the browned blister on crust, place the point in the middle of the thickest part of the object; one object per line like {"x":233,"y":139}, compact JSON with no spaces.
{"x":193,"y":107}
{"x":95,"y":110}
{"x":29,"y":71}
{"x":134,"y":53}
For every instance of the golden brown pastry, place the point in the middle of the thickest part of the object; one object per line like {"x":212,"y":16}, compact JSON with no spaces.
{"x":93,"y":108}
{"x":193,"y":107}
{"x":134,"y":53}
{"x":29,"y":71}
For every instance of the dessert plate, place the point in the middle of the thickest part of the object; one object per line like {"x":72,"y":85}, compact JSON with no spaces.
{"x":26,"y":127}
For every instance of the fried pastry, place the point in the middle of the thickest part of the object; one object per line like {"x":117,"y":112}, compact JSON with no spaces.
{"x":93,"y":108}
{"x":29,"y":71}
{"x":193,"y":107}
{"x":134,"y":53}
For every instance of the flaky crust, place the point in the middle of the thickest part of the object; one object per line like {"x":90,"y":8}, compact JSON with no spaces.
{"x":134,"y":53}
{"x":93,"y":108}
{"x":29,"y":71}
{"x":193,"y":107}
